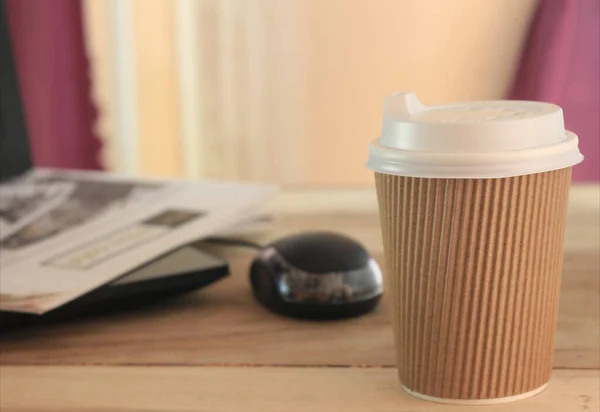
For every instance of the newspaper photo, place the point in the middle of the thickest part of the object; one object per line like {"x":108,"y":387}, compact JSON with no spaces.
{"x":65,"y":233}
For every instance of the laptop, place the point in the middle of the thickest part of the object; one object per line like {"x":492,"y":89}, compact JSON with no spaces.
{"x":182,"y":270}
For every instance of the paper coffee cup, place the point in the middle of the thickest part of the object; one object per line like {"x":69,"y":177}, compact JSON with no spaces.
{"x":472,"y":201}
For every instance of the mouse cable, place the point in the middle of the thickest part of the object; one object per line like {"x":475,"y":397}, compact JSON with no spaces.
{"x":232,"y":242}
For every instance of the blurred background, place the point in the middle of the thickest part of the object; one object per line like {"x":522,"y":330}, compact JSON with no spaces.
{"x":285,"y":91}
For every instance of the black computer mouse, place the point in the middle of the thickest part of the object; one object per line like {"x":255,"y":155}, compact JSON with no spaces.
{"x":319,"y":275}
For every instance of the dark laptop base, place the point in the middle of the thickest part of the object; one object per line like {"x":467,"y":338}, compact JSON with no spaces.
{"x":190,"y":269}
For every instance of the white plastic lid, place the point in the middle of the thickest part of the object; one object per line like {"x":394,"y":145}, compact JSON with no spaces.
{"x":486,"y":139}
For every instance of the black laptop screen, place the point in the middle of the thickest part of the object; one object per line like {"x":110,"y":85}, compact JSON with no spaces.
{"x":15,"y":156}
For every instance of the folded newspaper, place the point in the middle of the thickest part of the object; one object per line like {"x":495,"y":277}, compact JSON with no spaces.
{"x":65,"y":233}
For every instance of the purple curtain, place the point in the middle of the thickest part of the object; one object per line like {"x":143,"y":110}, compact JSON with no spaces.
{"x":561,"y":65}
{"x":48,"y":43}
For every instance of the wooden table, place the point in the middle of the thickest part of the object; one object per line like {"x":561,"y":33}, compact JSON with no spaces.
{"x":218,"y":350}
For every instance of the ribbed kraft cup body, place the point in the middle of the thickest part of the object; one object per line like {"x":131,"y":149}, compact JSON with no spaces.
{"x":474,"y":267}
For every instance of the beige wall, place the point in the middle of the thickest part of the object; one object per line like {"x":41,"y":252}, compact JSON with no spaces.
{"x":270,"y":90}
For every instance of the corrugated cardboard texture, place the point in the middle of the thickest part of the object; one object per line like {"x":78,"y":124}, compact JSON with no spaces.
{"x":474,"y":268}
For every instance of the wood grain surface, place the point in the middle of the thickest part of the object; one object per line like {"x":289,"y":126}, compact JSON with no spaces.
{"x":218,"y":350}
{"x":224,"y":324}
{"x":213,"y":389}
